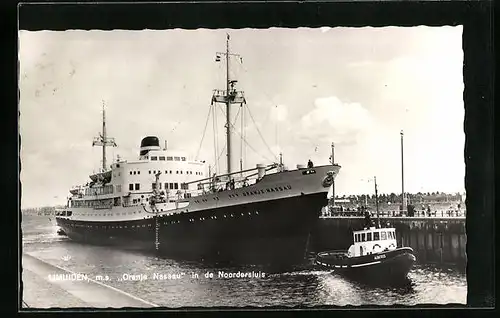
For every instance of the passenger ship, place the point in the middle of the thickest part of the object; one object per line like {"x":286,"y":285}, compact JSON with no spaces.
{"x":165,"y":202}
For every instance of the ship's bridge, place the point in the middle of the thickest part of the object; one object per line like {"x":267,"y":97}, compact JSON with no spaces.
{"x":373,"y":240}
{"x":166,"y":155}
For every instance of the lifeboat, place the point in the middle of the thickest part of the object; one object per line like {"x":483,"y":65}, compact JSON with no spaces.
{"x":104,"y":177}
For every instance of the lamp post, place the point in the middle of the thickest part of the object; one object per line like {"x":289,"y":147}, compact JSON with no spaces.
{"x":402,"y":175}
{"x":366,"y":195}
{"x":333,"y":183}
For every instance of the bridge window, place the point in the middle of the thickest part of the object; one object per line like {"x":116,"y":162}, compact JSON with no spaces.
{"x":376,"y":236}
{"x":166,"y":185}
{"x":363,"y":237}
{"x":131,"y":187}
{"x":383,"y":235}
{"x":149,"y":171}
{"x":137,"y":186}
{"x":183,"y":158}
{"x":368,"y":236}
{"x":138,"y":172}
{"x":130,"y":172}
{"x":153,"y":186}
{"x":154,"y":158}
{"x":169,"y":158}
{"x":162,"y":158}
{"x":177,"y":158}
{"x":176,"y":186}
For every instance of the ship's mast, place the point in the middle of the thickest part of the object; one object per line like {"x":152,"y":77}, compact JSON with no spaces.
{"x":103,"y":140}
{"x":229,"y":97}
{"x":228,"y":113}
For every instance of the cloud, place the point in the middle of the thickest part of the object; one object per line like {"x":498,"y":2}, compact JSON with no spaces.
{"x":335,"y":120}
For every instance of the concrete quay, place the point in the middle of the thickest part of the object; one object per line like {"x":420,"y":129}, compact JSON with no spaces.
{"x":41,"y":291}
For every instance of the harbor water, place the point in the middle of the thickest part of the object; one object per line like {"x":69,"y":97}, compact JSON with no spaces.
{"x":174,"y":283}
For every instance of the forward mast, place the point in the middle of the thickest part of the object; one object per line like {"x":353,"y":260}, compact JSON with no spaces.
{"x":103,"y":140}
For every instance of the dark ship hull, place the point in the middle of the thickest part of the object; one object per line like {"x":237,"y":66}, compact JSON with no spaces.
{"x":273,"y":232}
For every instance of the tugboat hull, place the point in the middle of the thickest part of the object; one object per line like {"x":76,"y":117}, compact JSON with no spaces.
{"x":385,"y":266}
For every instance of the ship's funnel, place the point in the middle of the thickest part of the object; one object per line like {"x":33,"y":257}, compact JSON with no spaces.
{"x":261,"y":170}
{"x":149,"y":143}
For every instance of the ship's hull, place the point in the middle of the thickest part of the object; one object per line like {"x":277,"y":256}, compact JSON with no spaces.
{"x":273,"y":232}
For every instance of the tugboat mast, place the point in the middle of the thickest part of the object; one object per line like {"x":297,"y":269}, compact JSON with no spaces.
{"x":102,"y":140}
{"x":376,"y":200}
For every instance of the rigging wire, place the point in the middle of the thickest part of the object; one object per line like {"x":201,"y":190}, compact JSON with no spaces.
{"x":241,"y":141}
{"x":224,"y":114}
{"x":231,"y":125}
{"x":188,"y":112}
{"x":258,"y":130}
{"x":267,"y":118}
{"x":216,"y":162}
{"x":246,"y":142}
{"x":204,"y":132}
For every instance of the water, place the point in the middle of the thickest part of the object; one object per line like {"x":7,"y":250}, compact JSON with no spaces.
{"x":427,"y":285}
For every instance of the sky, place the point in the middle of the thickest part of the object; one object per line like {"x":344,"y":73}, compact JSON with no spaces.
{"x":305,"y":88}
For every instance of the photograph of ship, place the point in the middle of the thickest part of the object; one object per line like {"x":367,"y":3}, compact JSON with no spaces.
{"x":242,"y":167}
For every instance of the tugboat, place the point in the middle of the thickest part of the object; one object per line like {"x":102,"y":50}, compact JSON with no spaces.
{"x":373,"y":256}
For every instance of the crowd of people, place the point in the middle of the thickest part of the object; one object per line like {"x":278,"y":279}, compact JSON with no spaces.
{"x":429,"y":210}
